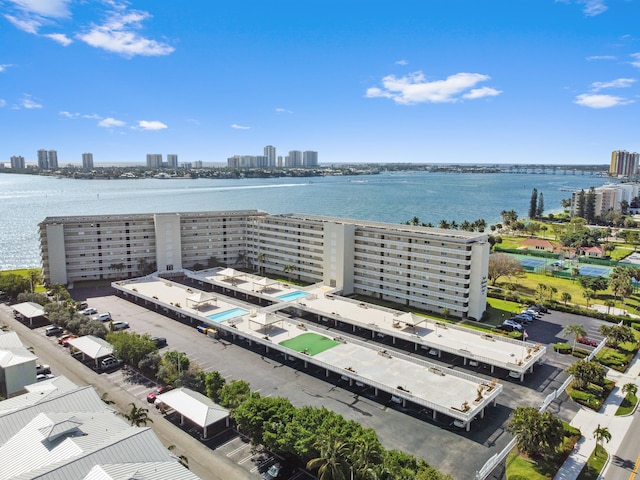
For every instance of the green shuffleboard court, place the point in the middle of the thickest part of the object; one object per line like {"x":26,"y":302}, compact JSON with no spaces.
{"x":310,"y":343}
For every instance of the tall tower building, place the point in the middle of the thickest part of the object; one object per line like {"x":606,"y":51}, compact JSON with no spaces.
{"x":53,"y":159}
{"x":18,"y":162}
{"x":43,"y":163}
{"x":154,"y":160}
{"x":310,"y":158}
{"x":270,"y":153}
{"x":294,"y":159}
{"x":87,"y":160}
{"x":172,"y":160}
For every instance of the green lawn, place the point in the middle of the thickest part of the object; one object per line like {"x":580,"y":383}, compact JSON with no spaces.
{"x":595,"y":464}
{"x":628,"y":405}
{"x":309,"y":343}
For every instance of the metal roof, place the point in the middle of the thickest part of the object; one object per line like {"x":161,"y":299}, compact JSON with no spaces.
{"x":29,"y":309}
{"x":198,"y":408}
{"x":148,"y":470}
{"x":91,"y":346}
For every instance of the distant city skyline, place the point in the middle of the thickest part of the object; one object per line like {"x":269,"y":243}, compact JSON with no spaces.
{"x":527,"y":82}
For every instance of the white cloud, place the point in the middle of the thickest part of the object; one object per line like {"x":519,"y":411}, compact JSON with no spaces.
{"x":593,"y":7}
{"x":481,"y":92}
{"x":601,"y":57}
{"x":636,"y":59}
{"x":44,"y":8}
{"x":111,"y":123}
{"x":402,"y":62}
{"x":239,"y":127}
{"x":118,"y":34}
{"x":617,"y":83}
{"x":3,"y":102}
{"x":69,"y":114}
{"x":60,"y":38}
{"x":29,"y":103}
{"x":5,"y":66}
{"x":26,"y":25}
{"x":600,"y":101}
{"x":414,"y":88}
{"x":151,"y":125}
{"x":283,"y":110}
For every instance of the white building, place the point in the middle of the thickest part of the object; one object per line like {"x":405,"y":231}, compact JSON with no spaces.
{"x":154,"y":160}
{"x":172,"y":160}
{"x":43,"y":162}
{"x":87,"y":160}
{"x":270,"y":153}
{"x":310,"y":158}
{"x":427,"y":268}
{"x":17,"y":162}
{"x":294,"y":159}
{"x":608,"y":197}
{"x":17,"y":365}
{"x":53,"y":159}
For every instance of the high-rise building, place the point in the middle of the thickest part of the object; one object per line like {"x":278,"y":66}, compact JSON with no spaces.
{"x":52,"y":157}
{"x":154,"y":160}
{"x":270,"y":153}
{"x":197,"y":164}
{"x":43,"y":163}
{"x":87,"y":160}
{"x":624,"y":164}
{"x":172,"y":160}
{"x":294,"y":159}
{"x":310,"y":158}
{"x":18,"y":163}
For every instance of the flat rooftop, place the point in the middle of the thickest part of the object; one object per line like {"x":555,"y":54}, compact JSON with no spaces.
{"x":432,"y":386}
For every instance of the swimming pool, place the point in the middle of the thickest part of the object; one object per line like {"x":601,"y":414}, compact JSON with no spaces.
{"x":287,"y":297}
{"x":226,"y":315}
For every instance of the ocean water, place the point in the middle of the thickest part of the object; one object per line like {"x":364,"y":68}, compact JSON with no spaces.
{"x":395,"y":197}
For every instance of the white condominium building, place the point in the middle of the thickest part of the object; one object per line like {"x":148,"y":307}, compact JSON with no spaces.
{"x":425,"y":268}
{"x":87,"y":160}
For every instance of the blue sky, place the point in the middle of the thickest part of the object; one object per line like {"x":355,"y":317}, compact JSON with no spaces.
{"x":439,"y":81}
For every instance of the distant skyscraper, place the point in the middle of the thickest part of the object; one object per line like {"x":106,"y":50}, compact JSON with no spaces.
{"x":310,"y":158}
{"x":197,"y":164}
{"x":43,"y":163}
{"x":87,"y":160}
{"x":53,"y":159}
{"x":294,"y":159}
{"x":172,"y":160}
{"x":624,"y":164}
{"x":279,"y":161}
{"x":270,"y":153}
{"x":18,"y":163}
{"x":154,"y":160}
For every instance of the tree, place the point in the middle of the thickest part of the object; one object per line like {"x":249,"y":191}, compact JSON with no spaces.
{"x":540,"y":207}
{"x":232,"y":394}
{"x":617,"y":334}
{"x":595,"y":284}
{"x":260,"y":259}
{"x":585,"y":372}
{"x":501,"y":265}
{"x":533,"y":203}
{"x":13,"y":284}
{"x":213,"y":382}
{"x":34,"y":278}
{"x":332,"y":464}
{"x":630,"y":389}
{"x":580,"y":204}
{"x":588,"y":296}
{"x":576,"y":330}
{"x":600,"y":434}
{"x":137,"y":415}
{"x":117,"y":267}
{"x":620,"y":282}
{"x":288,"y":268}
{"x":444,"y":225}
{"x":509,"y":216}
{"x":536,"y":432}
{"x":590,"y":206}
{"x":131,"y":347}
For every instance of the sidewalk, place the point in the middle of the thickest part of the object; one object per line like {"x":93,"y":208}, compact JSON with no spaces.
{"x":587,"y":421}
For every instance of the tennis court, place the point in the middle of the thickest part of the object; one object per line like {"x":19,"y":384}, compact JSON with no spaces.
{"x":532,"y":262}
{"x":591,"y":271}
{"x":310,"y":343}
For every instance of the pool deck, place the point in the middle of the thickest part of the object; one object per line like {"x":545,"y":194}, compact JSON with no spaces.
{"x":434,"y":387}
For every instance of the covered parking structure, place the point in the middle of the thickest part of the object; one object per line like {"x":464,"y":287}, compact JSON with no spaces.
{"x":264,"y":319}
{"x":93,"y":347}
{"x":196,"y":407}
{"x":29,"y":311}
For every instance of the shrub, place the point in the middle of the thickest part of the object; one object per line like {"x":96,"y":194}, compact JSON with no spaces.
{"x":562,"y":347}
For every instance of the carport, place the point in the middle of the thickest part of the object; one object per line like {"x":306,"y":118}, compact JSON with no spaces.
{"x":198,"y":408}
{"x":92,"y":347}
{"x":29,"y":310}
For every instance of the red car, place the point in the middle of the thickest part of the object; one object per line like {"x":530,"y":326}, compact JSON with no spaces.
{"x":587,"y":341}
{"x":151,"y":396}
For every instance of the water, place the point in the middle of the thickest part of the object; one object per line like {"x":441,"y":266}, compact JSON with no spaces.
{"x":395,"y":197}
{"x":226,"y":315}
{"x":292,"y":296}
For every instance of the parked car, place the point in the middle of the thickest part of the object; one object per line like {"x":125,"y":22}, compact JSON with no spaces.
{"x":53,"y":331}
{"x":110,"y":362}
{"x":151,"y":396}
{"x":515,"y":325}
{"x":587,"y":341}
{"x":531,"y":311}
{"x":89,"y":311}
{"x":103,"y":317}
{"x":522,"y":318}
{"x":539,"y":307}
{"x":203,"y":328}
{"x":44,"y":376}
{"x":505,"y":328}
{"x":64,"y":340}
{"x":272,"y":472}
{"x":120,"y":325}
{"x":159,"y":341}
{"x":82,"y":306}
{"x":42,"y":369}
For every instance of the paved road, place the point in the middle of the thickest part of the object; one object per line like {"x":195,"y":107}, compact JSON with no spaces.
{"x":405,"y":430}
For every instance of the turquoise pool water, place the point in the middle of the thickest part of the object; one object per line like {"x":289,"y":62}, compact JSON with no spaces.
{"x":292,"y":295}
{"x":226,"y":315}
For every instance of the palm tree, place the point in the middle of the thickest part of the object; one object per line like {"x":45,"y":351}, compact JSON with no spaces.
{"x":600,"y":434}
{"x":576,"y":330}
{"x":34,"y":278}
{"x":565,"y":297}
{"x":444,"y":224}
{"x":332,"y":464}
{"x":137,"y":415}
{"x":288,"y":268}
{"x":588,"y":296}
{"x":184,"y":461}
{"x":630,"y":389}
{"x":105,"y":399}
{"x":609,"y":303}
{"x":242,"y":258}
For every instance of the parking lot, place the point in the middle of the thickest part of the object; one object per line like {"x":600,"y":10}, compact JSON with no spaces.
{"x":411,"y":430}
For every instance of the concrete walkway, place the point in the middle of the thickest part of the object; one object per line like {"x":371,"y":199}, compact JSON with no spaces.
{"x":587,"y":421}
